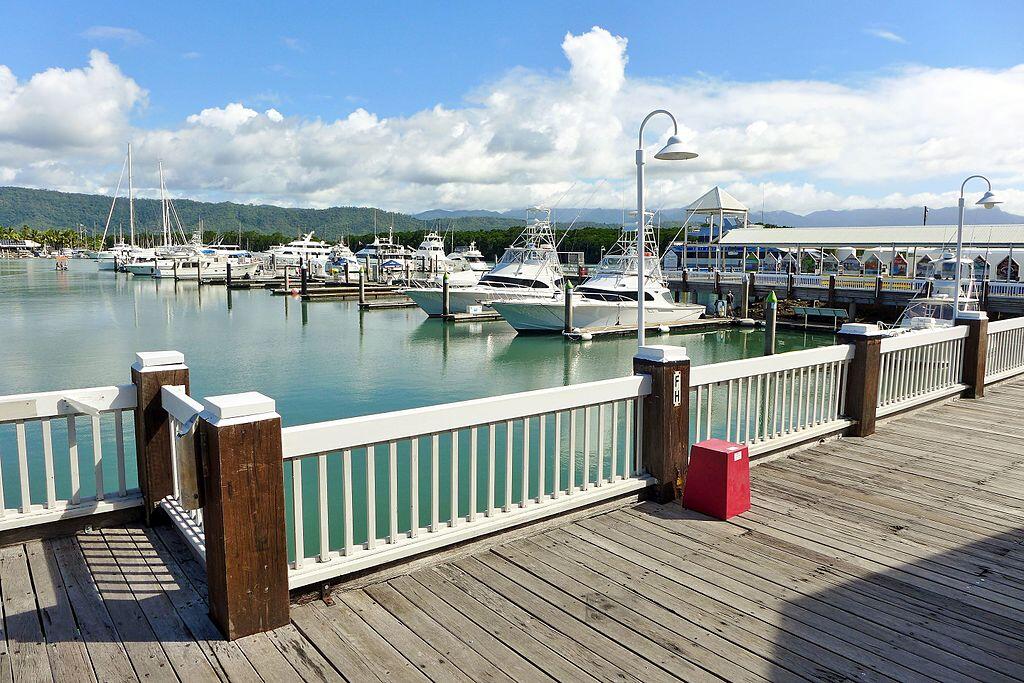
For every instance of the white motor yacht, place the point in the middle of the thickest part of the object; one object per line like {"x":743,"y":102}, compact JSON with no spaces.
{"x":472,"y":257}
{"x":529,"y":268}
{"x":429,"y":256}
{"x":385,"y":253}
{"x":609,"y":297}
{"x":299,"y":251}
{"x":334,"y":263}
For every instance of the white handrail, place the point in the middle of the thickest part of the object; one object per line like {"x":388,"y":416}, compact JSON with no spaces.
{"x":354,"y":432}
{"x":995,"y":326}
{"x":748,"y":367}
{"x":909,"y":340}
{"x":182,"y":407}
{"x":66,"y":402}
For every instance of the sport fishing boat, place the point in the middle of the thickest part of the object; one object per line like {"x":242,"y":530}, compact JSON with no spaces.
{"x":385,"y":253}
{"x":430,"y":256}
{"x":472,"y":257}
{"x":299,"y":251}
{"x":609,"y":297}
{"x":529,"y":268}
{"x":335,"y":262}
{"x":934,"y":307}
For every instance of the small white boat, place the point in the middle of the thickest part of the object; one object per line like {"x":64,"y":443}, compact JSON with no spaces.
{"x":299,"y":251}
{"x":606,"y":299}
{"x":935,"y":307}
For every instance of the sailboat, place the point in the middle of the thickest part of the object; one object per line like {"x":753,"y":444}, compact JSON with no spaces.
{"x":609,"y":297}
{"x":108,"y":259}
{"x":164,"y":257}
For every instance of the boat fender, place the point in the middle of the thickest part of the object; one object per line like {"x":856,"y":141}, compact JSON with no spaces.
{"x":294,"y":292}
{"x":720,"y":308}
{"x":586,"y":336}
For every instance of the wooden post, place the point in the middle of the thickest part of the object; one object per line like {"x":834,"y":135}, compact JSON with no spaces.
{"x":745,"y":298}
{"x":984,"y":294}
{"x":568,"y":307}
{"x":151,"y":371}
{"x":771,"y":310}
{"x":348,"y":267}
{"x":287,"y":280}
{"x":832,"y":291}
{"x":174,"y":267}
{"x":244,"y":517}
{"x":878,"y":289}
{"x":790,"y":289}
{"x":665,"y":434}
{"x":362,"y":288}
{"x":718,"y":283}
{"x":227,"y":279}
{"x":975,"y":351}
{"x":303,"y":280}
{"x":446,"y":302}
{"x":862,"y":377}
{"x":686,"y":281}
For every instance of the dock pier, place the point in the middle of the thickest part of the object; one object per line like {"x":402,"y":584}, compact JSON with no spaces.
{"x":884,"y":540}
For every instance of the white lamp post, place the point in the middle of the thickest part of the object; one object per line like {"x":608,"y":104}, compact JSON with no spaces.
{"x":988,"y":200}
{"x":672,"y":151}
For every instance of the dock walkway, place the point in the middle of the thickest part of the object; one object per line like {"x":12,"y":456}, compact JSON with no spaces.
{"x":899,"y":556}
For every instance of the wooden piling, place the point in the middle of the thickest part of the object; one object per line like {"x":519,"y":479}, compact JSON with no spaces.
{"x":150,"y":372}
{"x":446,"y":302}
{"x":663,"y":436}
{"x":975,"y":351}
{"x":244,"y":516}
{"x":863,"y":375}
{"x":568,"y":307}
{"x":362,"y":288}
{"x":303,"y":279}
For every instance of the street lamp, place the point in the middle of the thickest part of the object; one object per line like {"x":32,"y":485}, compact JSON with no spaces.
{"x":988,"y":200}
{"x":672,"y":151}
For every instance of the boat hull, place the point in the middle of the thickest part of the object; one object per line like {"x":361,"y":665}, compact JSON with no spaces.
{"x":549,"y":316}
{"x":460,"y":299}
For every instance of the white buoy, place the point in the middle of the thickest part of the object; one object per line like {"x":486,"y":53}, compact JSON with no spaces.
{"x":663,"y":329}
{"x":586,"y":336}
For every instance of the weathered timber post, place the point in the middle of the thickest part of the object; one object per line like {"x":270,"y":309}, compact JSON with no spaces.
{"x":832,"y":291}
{"x":303,"y":279}
{"x":227,"y":278}
{"x":791,"y":286}
{"x":287,"y":280}
{"x":878,"y":289}
{"x":984,"y":295}
{"x":686,"y":283}
{"x":362,"y":288}
{"x":975,"y":351}
{"x":745,"y":298}
{"x":348,"y":268}
{"x":567,"y":327}
{"x":771,"y":311}
{"x":151,"y":371}
{"x":718,"y":283}
{"x":244,"y":517}
{"x":665,"y":434}
{"x":446,"y":301}
{"x":862,"y":377}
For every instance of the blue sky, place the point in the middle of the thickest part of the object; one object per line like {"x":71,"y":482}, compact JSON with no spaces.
{"x":322,"y":61}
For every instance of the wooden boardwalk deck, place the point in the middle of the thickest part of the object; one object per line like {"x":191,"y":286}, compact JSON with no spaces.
{"x":896,"y":557}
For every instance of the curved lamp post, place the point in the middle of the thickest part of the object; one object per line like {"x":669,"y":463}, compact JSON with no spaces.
{"x":988,"y":200}
{"x":672,"y":151}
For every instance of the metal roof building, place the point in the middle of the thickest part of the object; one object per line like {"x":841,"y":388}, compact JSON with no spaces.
{"x":874,"y":236}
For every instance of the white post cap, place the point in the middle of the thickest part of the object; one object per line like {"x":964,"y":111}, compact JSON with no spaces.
{"x":158,"y":359}
{"x":972,"y":315}
{"x":232,"y":406}
{"x":662,"y":354}
{"x":862,"y":330}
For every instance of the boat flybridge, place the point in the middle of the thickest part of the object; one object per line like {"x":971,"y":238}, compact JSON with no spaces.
{"x":935,"y":307}
{"x":471,"y":256}
{"x":430,"y":256}
{"x":528,"y":268}
{"x":609,"y":297}
{"x":299,"y":251}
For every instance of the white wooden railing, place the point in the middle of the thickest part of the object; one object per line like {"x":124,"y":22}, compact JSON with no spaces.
{"x":1006,"y":289}
{"x":771,"y":279}
{"x":921,"y":366}
{"x":854,"y":282}
{"x":47,"y":473}
{"x":700,"y":276}
{"x":903,"y":284}
{"x":384,"y":487}
{"x":820,"y":281}
{"x":772,"y":401}
{"x":183,"y":505}
{"x":1005,"y":354}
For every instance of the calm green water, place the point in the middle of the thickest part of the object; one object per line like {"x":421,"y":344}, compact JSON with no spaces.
{"x":319,"y":361}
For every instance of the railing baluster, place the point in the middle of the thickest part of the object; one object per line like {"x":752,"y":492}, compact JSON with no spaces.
{"x":556,"y":471}
{"x":297,"y":525}
{"x":525,"y":493}
{"x":586,"y":448}
{"x":507,"y":507}
{"x":600,"y":444}
{"x":472,"y":474}
{"x":758,"y":400}
{"x":491,"y":462}
{"x":746,"y":413}
{"x":696,"y":417}
{"x":325,"y":535}
{"x":572,"y":451}
{"x":638,"y":456}
{"x":122,"y":485}
{"x":414,"y":487}
{"x":707,"y":422}
{"x":346,"y":491}
{"x":76,"y":486}
{"x":392,"y":492}
{"x":51,"y":489}
{"x":454,"y":488}
{"x":97,"y":457}
{"x":371,"y":497}
{"x":728,"y":411}
{"x":26,"y":502}
{"x":776,"y":408}
{"x":435,"y":482}
{"x":541,"y":456}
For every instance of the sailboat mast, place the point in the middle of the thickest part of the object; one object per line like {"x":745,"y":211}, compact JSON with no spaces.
{"x":131,"y":196}
{"x":164,"y":217}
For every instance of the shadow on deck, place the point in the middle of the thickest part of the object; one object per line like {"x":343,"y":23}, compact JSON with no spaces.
{"x":895,"y":557}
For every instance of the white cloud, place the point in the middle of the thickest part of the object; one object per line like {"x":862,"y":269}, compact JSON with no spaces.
{"x":293,"y":44}
{"x":898,"y":136}
{"x":191,"y":55}
{"x":885,"y":35}
{"x":128,"y":36}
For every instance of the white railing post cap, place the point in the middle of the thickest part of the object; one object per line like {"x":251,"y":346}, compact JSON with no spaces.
{"x":154,"y":359}
{"x":972,"y":315}
{"x":232,"y":406}
{"x":658,"y":353}
{"x":862,"y":330}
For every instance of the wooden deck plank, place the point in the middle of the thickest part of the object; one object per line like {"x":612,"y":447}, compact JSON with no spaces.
{"x":69,"y":658}
{"x":343,"y":656}
{"x":25,"y":640}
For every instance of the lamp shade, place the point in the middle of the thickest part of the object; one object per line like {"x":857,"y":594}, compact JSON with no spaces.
{"x":674,"y":150}
{"x":989,"y":200}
